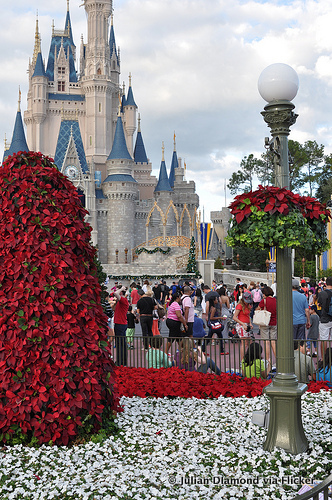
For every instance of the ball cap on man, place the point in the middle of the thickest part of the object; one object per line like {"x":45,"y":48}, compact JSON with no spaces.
{"x":295,"y":283}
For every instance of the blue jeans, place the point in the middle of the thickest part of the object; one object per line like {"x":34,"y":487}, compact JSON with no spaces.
{"x":120,"y":344}
{"x":209,"y":364}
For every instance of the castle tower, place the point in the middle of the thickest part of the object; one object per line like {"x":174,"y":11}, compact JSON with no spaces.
{"x":39,"y":84}
{"x":130,"y":109}
{"x":19,"y":142}
{"x":122,"y":192}
{"x":143,"y":167}
{"x":52,"y":89}
{"x":37,"y":96}
{"x":99,"y":85}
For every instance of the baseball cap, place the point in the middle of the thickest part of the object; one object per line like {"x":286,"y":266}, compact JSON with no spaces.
{"x":247,"y":297}
{"x":295,"y":283}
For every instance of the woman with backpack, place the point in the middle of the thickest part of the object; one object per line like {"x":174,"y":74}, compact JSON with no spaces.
{"x":256,"y":298}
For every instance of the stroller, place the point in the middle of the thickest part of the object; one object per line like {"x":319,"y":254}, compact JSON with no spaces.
{"x":232,"y":333}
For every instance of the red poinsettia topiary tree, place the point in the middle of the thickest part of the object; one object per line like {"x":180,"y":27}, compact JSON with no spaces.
{"x":55,"y":362}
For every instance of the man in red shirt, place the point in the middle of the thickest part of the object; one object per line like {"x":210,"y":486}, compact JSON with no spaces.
{"x":120,"y":326}
{"x":134,"y":297}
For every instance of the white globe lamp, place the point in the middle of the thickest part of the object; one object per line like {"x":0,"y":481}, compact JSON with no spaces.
{"x":278,"y":82}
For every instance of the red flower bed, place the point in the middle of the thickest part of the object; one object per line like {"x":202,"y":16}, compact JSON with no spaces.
{"x":173,"y":382}
{"x":55,"y":365}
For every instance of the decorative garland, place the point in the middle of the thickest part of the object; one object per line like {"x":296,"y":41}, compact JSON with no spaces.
{"x":131,"y":277}
{"x":271,"y":216}
{"x":138,"y":251}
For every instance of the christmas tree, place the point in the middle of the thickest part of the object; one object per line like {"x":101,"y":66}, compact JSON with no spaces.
{"x":192,"y":264}
{"x":56,"y":369}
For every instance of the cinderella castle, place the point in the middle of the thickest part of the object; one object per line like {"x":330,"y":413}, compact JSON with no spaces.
{"x":88,"y":122}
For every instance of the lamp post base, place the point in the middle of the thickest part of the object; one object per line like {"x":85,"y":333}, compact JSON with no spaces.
{"x":285,"y":427}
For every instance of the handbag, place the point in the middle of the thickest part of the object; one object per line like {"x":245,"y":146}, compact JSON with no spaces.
{"x":262,"y":317}
{"x":216,"y":325}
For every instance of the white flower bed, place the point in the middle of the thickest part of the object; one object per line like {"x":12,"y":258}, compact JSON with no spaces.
{"x":183,"y":449}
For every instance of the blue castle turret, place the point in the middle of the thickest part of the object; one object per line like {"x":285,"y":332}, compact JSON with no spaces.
{"x":18,"y":142}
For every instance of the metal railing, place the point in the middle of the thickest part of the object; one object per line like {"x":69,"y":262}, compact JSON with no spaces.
{"x":316,"y":492}
{"x":227,"y":354}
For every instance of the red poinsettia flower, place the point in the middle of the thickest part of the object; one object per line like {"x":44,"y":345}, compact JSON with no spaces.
{"x":55,"y":362}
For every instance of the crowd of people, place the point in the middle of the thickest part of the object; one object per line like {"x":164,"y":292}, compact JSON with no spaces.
{"x":196,"y":314}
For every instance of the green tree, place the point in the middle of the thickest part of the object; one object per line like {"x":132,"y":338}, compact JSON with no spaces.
{"x":265,"y":169}
{"x":324,"y":190}
{"x":250,"y":258}
{"x":192,"y":264}
{"x":218,"y":263}
{"x":297,"y":160}
{"x":314,"y":159}
{"x":242,"y":180}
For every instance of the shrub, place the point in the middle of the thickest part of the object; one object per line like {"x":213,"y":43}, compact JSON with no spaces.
{"x":55,"y":364}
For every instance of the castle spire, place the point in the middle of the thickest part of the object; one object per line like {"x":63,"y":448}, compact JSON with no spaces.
{"x":119,"y":148}
{"x":19,"y":142}
{"x":130,"y":101}
{"x":37,"y":47}
{"x":163,"y":151}
{"x":139,"y":151}
{"x":174,"y":165}
{"x":68,"y":29}
{"x":163,"y":182}
{"x":19,"y":99}
{"x":112,"y":42}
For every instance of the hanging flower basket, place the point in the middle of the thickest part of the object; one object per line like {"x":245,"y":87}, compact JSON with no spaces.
{"x":272,"y":216}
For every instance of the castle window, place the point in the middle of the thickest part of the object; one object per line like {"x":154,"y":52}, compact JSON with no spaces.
{"x":100,"y":107}
{"x":61,"y":70}
{"x":61,"y":86}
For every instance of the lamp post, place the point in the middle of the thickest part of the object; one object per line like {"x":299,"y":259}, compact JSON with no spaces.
{"x":278,"y":85}
{"x":303,"y":264}
{"x":238,"y":261}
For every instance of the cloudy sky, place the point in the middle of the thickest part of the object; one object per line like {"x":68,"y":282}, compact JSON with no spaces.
{"x":195,"y":66}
